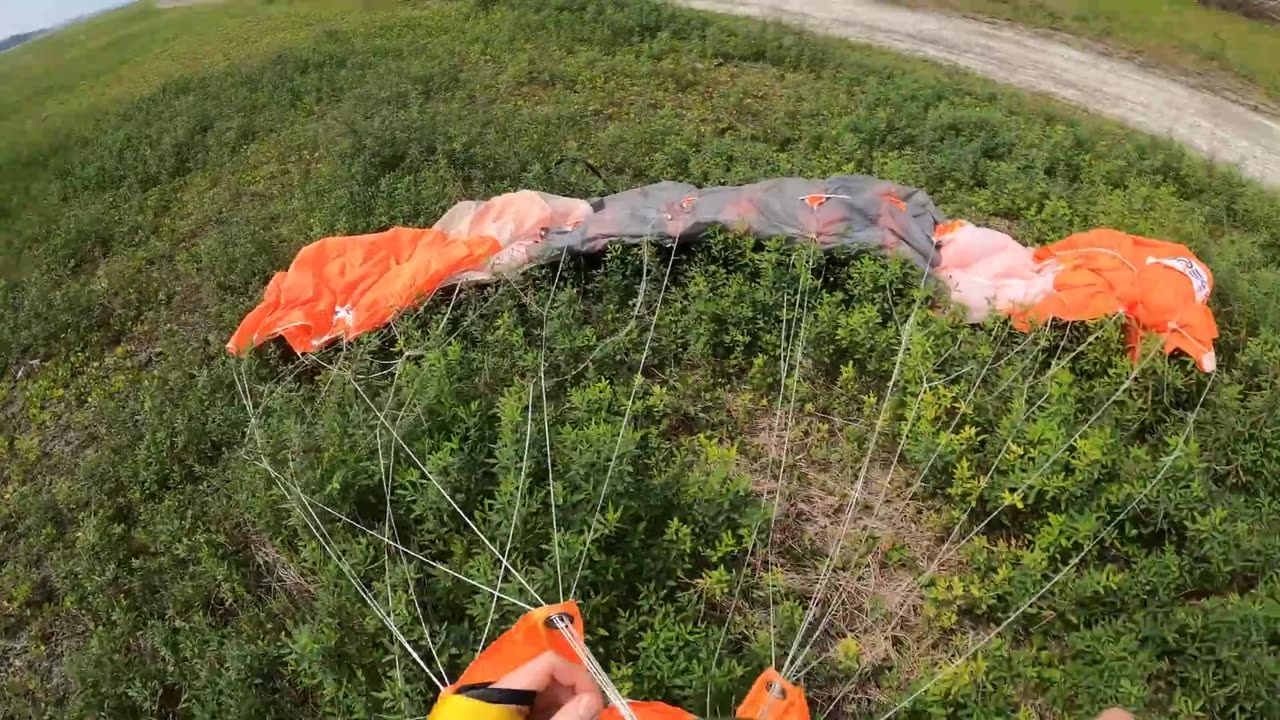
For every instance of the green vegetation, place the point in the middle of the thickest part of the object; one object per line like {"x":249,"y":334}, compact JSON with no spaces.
{"x":1183,"y":35}
{"x":152,"y":180}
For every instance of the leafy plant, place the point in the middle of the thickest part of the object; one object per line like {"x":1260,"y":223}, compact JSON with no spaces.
{"x":151,"y":566}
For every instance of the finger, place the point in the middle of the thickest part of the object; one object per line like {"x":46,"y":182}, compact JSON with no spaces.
{"x":550,"y":701}
{"x":584,"y":707}
{"x":1114,"y":714}
{"x":547,"y":670}
{"x":573,"y":676}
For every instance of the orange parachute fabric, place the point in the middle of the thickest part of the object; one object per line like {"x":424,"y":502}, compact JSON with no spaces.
{"x":1162,"y":287}
{"x":773,"y":697}
{"x":537,"y":631}
{"x":341,"y":287}
{"x":345,"y":286}
{"x":532,"y":635}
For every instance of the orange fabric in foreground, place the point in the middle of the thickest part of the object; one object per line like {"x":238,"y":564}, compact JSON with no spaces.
{"x":773,"y":697}
{"x":1161,"y":286}
{"x":527,"y":639}
{"x":532,"y":635}
{"x":345,"y":286}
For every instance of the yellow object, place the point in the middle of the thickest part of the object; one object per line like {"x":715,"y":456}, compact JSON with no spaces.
{"x":457,"y":707}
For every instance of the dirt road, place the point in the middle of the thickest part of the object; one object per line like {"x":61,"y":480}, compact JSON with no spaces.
{"x":1217,"y":128}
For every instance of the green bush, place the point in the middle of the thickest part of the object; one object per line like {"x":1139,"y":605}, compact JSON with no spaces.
{"x":152,"y":567}
{"x":1205,"y":40}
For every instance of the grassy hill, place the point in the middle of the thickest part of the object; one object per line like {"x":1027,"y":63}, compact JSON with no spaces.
{"x":1210,"y":39}
{"x":17,"y":39}
{"x":157,"y":165}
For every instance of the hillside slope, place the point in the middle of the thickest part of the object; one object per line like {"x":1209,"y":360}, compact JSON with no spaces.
{"x":1143,"y":98}
{"x":157,"y":166}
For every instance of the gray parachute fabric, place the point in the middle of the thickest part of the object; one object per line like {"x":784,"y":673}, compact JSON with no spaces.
{"x":341,"y":287}
{"x":845,"y":210}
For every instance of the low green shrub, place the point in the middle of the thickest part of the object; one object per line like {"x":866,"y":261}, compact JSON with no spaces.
{"x":151,"y":567}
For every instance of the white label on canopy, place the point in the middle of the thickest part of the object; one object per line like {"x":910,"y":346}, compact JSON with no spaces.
{"x":1194,"y":271}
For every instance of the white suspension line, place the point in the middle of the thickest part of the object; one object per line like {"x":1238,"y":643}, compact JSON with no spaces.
{"x":974,"y":648}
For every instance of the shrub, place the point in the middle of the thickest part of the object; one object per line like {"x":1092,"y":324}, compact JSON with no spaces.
{"x":153,"y":567}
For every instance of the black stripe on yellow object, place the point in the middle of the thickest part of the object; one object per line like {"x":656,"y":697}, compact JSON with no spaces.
{"x":486,"y":692}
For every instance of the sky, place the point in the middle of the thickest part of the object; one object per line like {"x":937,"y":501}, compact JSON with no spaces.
{"x":18,"y":16}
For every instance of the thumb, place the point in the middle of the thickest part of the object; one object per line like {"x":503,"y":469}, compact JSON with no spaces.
{"x":583,"y":707}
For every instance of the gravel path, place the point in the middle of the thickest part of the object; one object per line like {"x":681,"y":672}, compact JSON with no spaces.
{"x":1140,"y":97}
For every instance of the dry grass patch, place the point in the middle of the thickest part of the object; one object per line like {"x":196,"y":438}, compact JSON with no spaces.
{"x":870,"y":616}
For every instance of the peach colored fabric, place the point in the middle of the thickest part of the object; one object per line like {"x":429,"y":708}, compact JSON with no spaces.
{"x":1161,"y":287}
{"x":987,"y":270}
{"x":514,"y":217}
{"x":518,"y":220}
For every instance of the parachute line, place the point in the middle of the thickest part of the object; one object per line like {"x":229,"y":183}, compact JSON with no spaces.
{"x":622,"y":430}
{"x":445,"y":493}
{"x":515,"y":517}
{"x":1093,"y":542}
{"x":825,"y":575}
{"x":893,"y":466}
{"x":393,"y":531}
{"x":317,"y":529}
{"x":546,"y":429}
{"x":795,"y":364}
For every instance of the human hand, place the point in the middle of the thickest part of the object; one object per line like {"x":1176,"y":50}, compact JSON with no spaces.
{"x":565,"y":690}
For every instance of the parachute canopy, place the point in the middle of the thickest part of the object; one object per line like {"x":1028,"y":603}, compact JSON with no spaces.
{"x":341,"y":287}
{"x":1161,"y":287}
{"x":345,"y":286}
